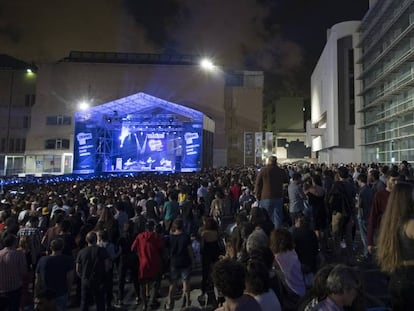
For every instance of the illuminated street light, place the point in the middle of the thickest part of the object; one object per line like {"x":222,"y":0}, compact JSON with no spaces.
{"x":207,"y":64}
{"x":28,"y":70}
{"x":83,"y":105}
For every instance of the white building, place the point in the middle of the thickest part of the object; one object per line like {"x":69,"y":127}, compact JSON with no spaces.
{"x":331,"y":131}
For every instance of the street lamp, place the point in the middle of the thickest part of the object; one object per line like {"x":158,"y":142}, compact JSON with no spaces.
{"x":83,"y":105}
{"x":207,"y":64}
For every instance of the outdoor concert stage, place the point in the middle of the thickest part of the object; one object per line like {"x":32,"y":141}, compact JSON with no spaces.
{"x":142,"y":133}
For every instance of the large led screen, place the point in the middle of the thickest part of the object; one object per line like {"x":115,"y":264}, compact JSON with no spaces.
{"x":160,"y":150}
{"x":145,"y":151}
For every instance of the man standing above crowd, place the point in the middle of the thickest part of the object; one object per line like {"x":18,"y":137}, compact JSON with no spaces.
{"x":269,"y":190}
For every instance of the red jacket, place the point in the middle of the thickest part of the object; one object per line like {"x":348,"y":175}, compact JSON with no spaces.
{"x":235,"y":191}
{"x":148,"y":246}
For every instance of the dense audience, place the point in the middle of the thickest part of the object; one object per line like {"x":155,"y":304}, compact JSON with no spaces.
{"x":280,"y":237}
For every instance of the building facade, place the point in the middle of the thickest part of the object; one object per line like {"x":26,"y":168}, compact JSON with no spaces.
{"x":332,"y":130}
{"x":17,"y":97}
{"x":286,"y":120}
{"x":387,"y":81}
{"x":233,"y":99}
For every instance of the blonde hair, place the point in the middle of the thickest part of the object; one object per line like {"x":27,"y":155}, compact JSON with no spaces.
{"x":398,"y":210}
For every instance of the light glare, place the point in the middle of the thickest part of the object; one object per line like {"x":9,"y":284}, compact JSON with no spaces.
{"x":83,"y":105}
{"x":207,"y":64}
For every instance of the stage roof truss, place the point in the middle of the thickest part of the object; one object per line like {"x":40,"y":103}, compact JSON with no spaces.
{"x":136,"y":104}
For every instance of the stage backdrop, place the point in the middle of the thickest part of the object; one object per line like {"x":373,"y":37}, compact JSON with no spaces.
{"x":140,"y":133}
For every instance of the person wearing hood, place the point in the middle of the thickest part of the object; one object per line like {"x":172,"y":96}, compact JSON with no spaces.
{"x":148,"y":246}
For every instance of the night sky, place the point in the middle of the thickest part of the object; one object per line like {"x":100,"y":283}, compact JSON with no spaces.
{"x":282,"y":37}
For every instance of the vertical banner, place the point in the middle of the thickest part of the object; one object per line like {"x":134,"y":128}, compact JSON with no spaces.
{"x":258,"y":144}
{"x":84,"y":148}
{"x":191,"y":147}
{"x":269,"y":143}
{"x":248,"y":147}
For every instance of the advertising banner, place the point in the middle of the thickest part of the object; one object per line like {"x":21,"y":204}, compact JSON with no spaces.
{"x":258,"y":145}
{"x":192,"y":143}
{"x":248,"y":148}
{"x":269,"y":143}
{"x":248,"y":145}
{"x":84,"y":148}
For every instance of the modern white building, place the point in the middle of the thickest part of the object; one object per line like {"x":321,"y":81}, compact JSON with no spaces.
{"x":332,"y":132}
{"x":387,"y":79}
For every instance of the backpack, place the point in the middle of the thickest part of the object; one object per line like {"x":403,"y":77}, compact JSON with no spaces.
{"x":95,"y":277}
{"x":338,"y":200}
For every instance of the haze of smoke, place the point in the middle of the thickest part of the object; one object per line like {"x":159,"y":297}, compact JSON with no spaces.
{"x":230,"y":31}
{"x":233,"y":32}
{"x":47,"y":30}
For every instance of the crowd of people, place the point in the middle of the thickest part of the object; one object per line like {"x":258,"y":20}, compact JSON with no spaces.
{"x":270,"y":238}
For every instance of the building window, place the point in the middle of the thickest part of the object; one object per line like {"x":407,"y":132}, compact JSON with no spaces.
{"x":26,"y":122}
{"x":50,"y":144}
{"x":11,"y":145}
{"x":58,"y":120}
{"x":234,"y":79}
{"x":57,"y":143}
{"x":3,"y":145}
{"x":351,"y":87}
{"x":29,"y":100}
{"x":65,"y":143}
{"x":17,"y":145}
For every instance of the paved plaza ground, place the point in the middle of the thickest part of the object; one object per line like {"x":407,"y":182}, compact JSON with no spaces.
{"x":375,"y":284}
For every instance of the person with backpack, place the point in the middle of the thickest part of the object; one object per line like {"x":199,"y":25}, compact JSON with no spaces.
{"x":151,"y":207}
{"x":128,"y":261}
{"x":186,"y":211}
{"x":341,"y":202}
{"x":54,"y":273}
{"x":91,"y":265}
{"x":113,"y":251}
{"x":181,"y":262}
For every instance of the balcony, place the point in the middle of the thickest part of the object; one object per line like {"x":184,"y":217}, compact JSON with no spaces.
{"x":392,"y":112}
{"x":385,"y":27}
{"x":389,"y":68}
{"x":404,"y":82}
{"x":376,"y":17}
